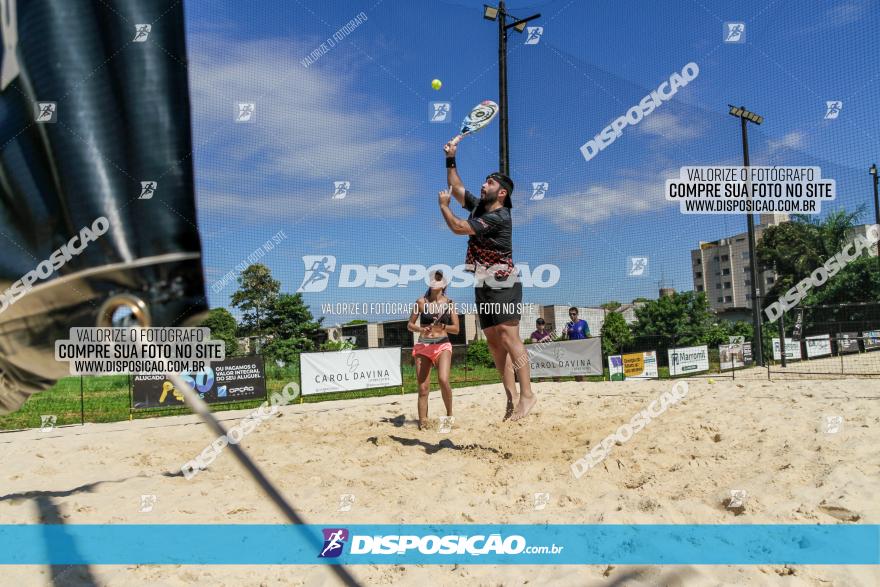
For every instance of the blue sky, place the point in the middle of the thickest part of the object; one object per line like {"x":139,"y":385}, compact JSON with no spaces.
{"x":360,"y":114}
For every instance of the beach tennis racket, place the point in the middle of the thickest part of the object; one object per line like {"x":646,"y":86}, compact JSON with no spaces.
{"x":477,"y":119}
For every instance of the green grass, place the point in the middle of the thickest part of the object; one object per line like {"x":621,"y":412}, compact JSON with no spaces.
{"x":105,"y":399}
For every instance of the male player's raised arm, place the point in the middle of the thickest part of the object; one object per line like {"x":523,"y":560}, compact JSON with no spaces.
{"x":452,"y":178}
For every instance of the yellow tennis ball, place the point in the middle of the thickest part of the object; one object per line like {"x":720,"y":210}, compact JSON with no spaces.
{"x":436,"y":84}
{"x":711,"y":380}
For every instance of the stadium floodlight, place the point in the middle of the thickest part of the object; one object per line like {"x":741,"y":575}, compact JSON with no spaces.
{"x":500,"y":13}
{"x":757,"y":339}
{"x":741,"y":112}
{"x":520,"y":25}
{"x":873,"y":172}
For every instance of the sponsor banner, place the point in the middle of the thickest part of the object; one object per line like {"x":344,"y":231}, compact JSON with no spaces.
{"x":734,"y":355}
{"x":871,"y":339}
{"x":463,"y":544}
{"x":639,"y":365}
{"x":633,"y":366}
{"x":350,"y":370}
{"x":230,"y":380}
{"x":615,"y":368}
{"x":818,"y":346}
{"x":792,"y":350}
{"x":688,"y":360}
{"x":848,"y":342}
{"x":566,"y":358}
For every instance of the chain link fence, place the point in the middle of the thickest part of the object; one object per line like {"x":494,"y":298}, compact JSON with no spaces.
{"x":839,"y":340}
{"x":832,"y":341}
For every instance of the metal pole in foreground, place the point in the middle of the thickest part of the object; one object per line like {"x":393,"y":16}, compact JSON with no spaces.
{"x":873,"y":172}
{"x":502,"y":90}
{"x":758,"y":350}
{"x":753,"y":262}
{"x":782,"y":339}
{"x":500,"y":13}
{"x":198,"y":406}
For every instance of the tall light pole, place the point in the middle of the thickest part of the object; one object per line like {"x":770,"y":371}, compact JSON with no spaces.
{"x":873,"y":171}
{"x":500,"y":13}
{"x":745,"y":117}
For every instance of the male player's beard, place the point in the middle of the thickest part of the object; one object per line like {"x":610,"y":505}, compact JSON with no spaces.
{"x":490,"y":197}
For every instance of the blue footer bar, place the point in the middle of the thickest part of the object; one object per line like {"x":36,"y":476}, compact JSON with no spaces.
{"x":245,"y":544}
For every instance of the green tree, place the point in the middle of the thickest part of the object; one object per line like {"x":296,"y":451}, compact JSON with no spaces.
{"x":615,"y":333}
{"x":337,"y":345}
{"x":355,"y":322}
{"x":478,"y":354}
{"x":795,"y":249}
{"x":720,"y":332}
{"x":859,"y":281}
{"x":223,"y":327}
{"x":279,"y":349}
{"x":288,"y":318}
{"x":682,"y":319}
{"x":742,"y":328}
{"x":257,"y":291}
{"x":292,"y":328}
{"x":716,"y":334}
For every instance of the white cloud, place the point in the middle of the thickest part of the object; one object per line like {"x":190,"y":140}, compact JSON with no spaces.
{"x":792,"y":140}
{"x":845,"y":13}
{"x":670,"y":127}
{"x":836,"y":16}
{"x":570,"y":211}
{"x":311,"y":128}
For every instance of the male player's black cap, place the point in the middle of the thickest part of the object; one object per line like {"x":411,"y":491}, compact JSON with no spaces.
{"x":506,"y":183}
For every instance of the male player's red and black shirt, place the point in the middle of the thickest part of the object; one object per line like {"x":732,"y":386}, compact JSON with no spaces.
{"x":492,"y":241}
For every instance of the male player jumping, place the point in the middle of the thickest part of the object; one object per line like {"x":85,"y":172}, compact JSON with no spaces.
{"x":498,"y":291}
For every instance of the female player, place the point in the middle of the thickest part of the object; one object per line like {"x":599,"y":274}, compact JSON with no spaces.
{"x":437,"y":319}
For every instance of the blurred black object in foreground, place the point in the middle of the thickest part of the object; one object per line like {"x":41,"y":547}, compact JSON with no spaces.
{"x":94,"y":123}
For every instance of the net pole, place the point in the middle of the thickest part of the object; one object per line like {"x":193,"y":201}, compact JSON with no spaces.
{"x":199,"y":407}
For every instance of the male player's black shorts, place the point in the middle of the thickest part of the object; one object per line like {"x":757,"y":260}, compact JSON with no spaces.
{"x":496,"y":306}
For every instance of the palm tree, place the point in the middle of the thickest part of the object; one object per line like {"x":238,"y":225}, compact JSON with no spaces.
{"x":795,"y":249}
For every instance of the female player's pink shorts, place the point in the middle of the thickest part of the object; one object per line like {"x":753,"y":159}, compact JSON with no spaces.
{"x":431,"y":350}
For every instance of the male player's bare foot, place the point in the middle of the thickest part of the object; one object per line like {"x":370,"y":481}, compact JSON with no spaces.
{"x":423,"y":424}
{"x":508,"y":412}
{"x":524,"y":406}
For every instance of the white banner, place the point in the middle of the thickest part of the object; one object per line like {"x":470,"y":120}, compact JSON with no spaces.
{"x":566,"y":358}
{"x":687,"y":360}
{"x":818,"y":346}
{"x":735,"y":355}
{"x":350,"y":370}
{"x":731,"y":356}
{"x":792,"y":349}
